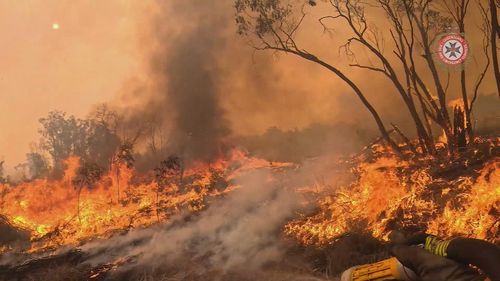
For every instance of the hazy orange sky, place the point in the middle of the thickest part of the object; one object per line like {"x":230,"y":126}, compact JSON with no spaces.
{"x":82,"y":63}
{"x":97,"y":49}
{"x":102,"y":50}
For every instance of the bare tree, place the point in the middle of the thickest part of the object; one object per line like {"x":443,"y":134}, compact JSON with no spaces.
{"x":88,"y":174}
{"x":486,"y":30}
{"x":155,"y":136}
{"x":458,"y":9}
{"x":271,"y":23}
{"x":124,"y":157}
{"x":170,"y":171}
{"x":274,"y":24}
{"x":494,"y":36}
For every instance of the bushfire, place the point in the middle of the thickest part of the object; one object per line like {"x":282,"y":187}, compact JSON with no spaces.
{"x":67,"y":212}
{"x":387,"y":194}
{"x":392,"y":194}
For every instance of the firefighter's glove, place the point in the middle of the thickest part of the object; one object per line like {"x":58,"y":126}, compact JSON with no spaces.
{"x":429,"y":263}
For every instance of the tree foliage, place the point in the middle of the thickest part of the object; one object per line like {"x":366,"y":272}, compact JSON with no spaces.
{"x":402,"y":53}
{"x":125,"y":155}
{"x":87,"y":175}
{"x":38,"y":166}
{"x":93,"y":139}
{"x":170,"y":169}
{"x":2,"y":176}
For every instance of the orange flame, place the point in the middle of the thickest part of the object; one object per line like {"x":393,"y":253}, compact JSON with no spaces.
{"x":383,"y":196}
{"x":387,"y":194}
{"x":56,"y":212}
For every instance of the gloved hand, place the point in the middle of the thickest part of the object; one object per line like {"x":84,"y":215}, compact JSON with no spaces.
{"x":429,"y":266}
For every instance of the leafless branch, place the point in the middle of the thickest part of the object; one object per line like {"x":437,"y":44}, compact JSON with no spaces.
{"x":376,"y":69}
{"x":486,"y":29}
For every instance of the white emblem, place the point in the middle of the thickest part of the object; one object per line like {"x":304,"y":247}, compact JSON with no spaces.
{"x":453,"y":49}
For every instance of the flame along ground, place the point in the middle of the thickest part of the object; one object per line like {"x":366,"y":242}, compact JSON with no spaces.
{"x":387,"y":194}
{"x":56,"y":212}
{"x":392,"y":194}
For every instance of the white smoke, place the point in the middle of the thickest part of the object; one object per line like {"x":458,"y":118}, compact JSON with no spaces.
{"x":241,"y":230}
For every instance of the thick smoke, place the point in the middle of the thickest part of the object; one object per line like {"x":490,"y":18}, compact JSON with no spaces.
{"x":190,"y":70}
{"x":187,"y":39}
{"x":199,"y":121}
{"x":206,"y":87}
{"x":241,"y":231}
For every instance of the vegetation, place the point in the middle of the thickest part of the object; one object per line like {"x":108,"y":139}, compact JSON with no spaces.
{"x":403,"y":54}
{"x":93,"y":140}
{"x":2,"y":178}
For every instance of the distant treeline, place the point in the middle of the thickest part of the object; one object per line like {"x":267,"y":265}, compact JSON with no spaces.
{"x":103,"y":138}
{"x":317,"y":139}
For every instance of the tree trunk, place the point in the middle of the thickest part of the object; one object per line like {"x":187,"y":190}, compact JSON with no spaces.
{"x":463,"y":83}
{"x":181,"y":176}
{"x":468,"y":123}
{"x":359,"y":93}
{"x":459,"y":130}
{"x":445,"y":121}
{"x":158,"y":202}
{"x":78,"y":204}
{"x":405,"y":139}
{"x":494,"y":34}
{"x":118,"y":184}
{"x":423,"y":135}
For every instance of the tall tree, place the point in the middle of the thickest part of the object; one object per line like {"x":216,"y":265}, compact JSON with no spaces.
{"x":458,"y":9}
{"x":273,"y":24}
{"x":93,"y":139}
{"x":494,"y":36}
{"x":2,"y":178}
{"x":38,"y":166}
{"x":86,"y":177}
{"x":124,"y":157}
{"x":395,"y":54}
{"x":62,"y":136}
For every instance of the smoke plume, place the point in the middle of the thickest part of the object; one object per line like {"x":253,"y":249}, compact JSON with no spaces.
{"x":205,"y":85}
{"x":242,"y":230}
{"x":183,"y":95}
{"x":190,"y":72}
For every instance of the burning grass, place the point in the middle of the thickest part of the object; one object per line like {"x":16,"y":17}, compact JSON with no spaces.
{"x":348,"y":224}
{"x":64,"y":212}
{"x":458,"y":198}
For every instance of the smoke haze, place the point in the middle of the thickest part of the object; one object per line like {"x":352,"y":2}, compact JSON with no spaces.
{"x":178,"y":64}
{"x":185,"y":77}
{"x":240,"y":231}
{"x":206,"y":85}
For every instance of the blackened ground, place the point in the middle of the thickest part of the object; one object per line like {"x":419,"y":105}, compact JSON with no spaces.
{"x":299,"y":263}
